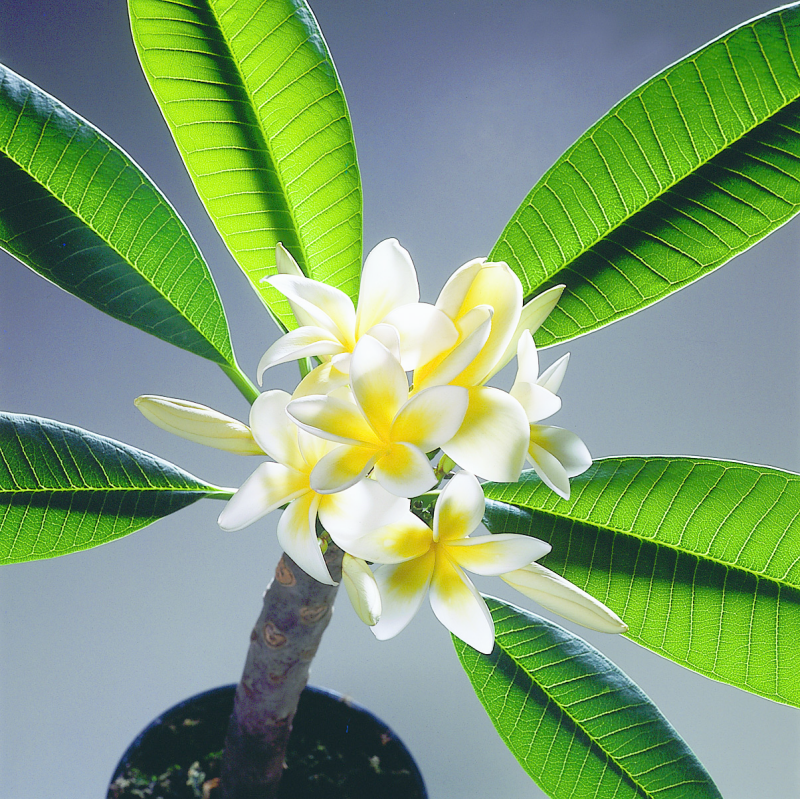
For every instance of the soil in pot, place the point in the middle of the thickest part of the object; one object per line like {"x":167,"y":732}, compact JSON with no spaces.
{"x":338,"y":750}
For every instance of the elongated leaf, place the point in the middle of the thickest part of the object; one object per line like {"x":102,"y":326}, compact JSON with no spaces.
{"x":77,"y":210}
{"x":690,"y":169}
{"x":577,"y":724}
{"x":253,"y":101}
{"x":63,"y":489}
{"x":700,"y":558}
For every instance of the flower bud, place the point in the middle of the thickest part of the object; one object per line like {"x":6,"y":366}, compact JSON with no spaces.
{"x":555,"y":593}
{"x":198,"y":423}
{"x":362,"y":588}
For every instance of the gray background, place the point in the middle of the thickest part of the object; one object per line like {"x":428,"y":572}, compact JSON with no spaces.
{"x":458,"y":108}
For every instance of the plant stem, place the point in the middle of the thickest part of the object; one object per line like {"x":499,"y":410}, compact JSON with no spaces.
{"x":285,"y":639}
{"x":248,"y":389}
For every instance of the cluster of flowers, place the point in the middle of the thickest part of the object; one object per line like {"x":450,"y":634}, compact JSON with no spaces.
{"x":358,"y":440}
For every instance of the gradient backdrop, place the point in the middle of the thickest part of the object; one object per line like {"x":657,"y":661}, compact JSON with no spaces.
{"x":458,"y":108}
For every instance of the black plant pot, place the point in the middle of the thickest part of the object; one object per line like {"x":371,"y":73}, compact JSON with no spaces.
{"x":338,"y":750}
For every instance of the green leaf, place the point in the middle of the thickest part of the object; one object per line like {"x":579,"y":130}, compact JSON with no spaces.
{"x":577,"y":724}
{"x":252,"y":98}
{"x":689,"y":170}
{"x":77,"y":210}
{"x":699,"y":557}
{"x":63,"y":489}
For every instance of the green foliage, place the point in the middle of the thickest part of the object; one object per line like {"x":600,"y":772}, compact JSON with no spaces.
{"x":577,"y":724}
{"x":692,"y":168}
{"x":254,"y":103}
{"x":63,"y":489}
{"x":78,"y":211}
{"x":699,"y":558}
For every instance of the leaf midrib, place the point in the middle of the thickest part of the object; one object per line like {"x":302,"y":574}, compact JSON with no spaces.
{"x":594,"y":741}
{"x":657,"y":196}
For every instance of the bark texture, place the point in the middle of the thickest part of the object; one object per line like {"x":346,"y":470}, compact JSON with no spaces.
{"x":283,"y":643}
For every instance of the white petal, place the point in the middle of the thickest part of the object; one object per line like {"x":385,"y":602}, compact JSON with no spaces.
{"x":458,"y":605}
{"x":475,"y":332}
{"x":571,"y":452}
{"x":552,"y":377}
{"x":527,"y":359}
{"x":341,"y":468}
{"x":455,"y":289}
{"x":333,"y":418}
{"x":402,"y":587}
{"x":268,"y":487}
{"x":274,"y":430}
{"x":459,"y":508}
{"x":389,"y":336}
{"x":549,"y":468}
{"x":555,"y":593}
{"x":330,"y":307}
{"x":424,"y":333}
{"x":322,"y":380}
{"x":404,"y":539}
{"x":432,"y":417}
{"x":300,"y":343}
{"x":297,"y":535}
{"x":388,"y":281}
{"x":493,"y":438}
{"x":533,"y":314}
{"x":359,"y":509}
{"x":362,"y":588}
{"x":495,"y":554}
{"x":287,"y":265}
{"x":198,"y":423}
{"x":312,"y":448}
{"x":404,"y":470}
{"x":538,"y":402}
{"x":379,"y":384}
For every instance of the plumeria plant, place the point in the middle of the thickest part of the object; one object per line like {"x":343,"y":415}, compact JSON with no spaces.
{"x":397,"y":467}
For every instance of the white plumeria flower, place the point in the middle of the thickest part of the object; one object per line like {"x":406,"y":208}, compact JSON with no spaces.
{"x":198,"y":423}
{"x":287,"y":482}
{"x":555,"y":454}
{"x":381,"y":429}
{"x":484,"y":301}
{"x":330,"y":326}
{"x":422,"y":560}
{"x":555,"y":593}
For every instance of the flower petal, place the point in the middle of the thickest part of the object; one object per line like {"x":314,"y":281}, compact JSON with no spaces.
{"x":458,"y":605}
{"x":531,"y":317}
{"x":555,"y":593}
{"x":297,"y":534}
{"x":571,"y":452}
{"x":333,"y":418}
{"x":432,"y":417}
{"x":475,"y":328}
{"x":341,"y":468}
{"x":459,"y":508}
{"x":388,"y":280}
{"x":275,"y":431}
{"x":268,"y":487}
{"x":379,"y":384}
{"x":404,"y":470}
{"x":424,"y":333}
{"x":552,"y":377}
{"x":495,"y":554}
{"x":402,"y":587}
{"x":321,"y":380}
{"x":451,"y":297}
{"x":362,"y":588}
{"x":493,"y":437}
{"x":287,"y":265}
{"x":198,"y":423}
{"x":357,"y":510}
{"x":302,"y":342}
{"x":549,"y":468}
{"x":330,"y":307}
{"x":404,"y":539}
{"x":537,"y":401}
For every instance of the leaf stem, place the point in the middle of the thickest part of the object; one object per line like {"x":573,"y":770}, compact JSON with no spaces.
{"x":239,"y":379}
